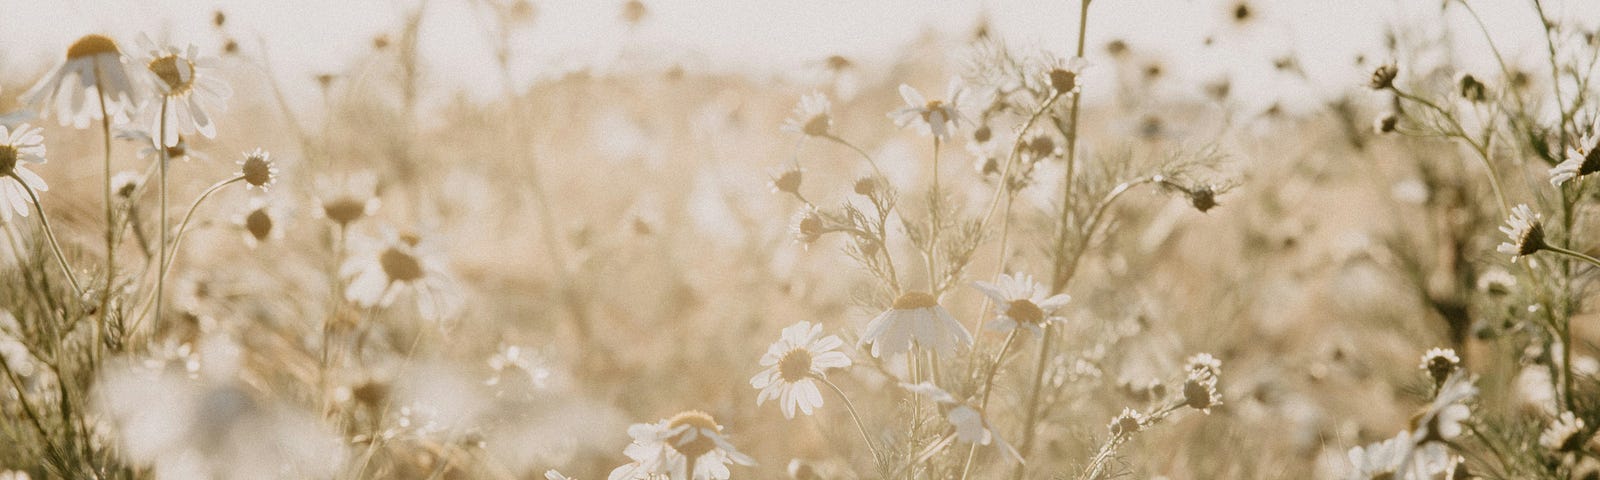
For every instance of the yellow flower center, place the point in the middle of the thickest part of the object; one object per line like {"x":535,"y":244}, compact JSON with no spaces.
{"x":400,"y":266}
{"x":795,"y":365}
{"x":177,"y":73}
{"x":91,"y":45}
{"x":693,"y":443}
{"x":257,"y":170}
{"x":1025,"y":311}
{"x":915,"y":300}
{"x":8,"y":159}
{"x":933,"y":106}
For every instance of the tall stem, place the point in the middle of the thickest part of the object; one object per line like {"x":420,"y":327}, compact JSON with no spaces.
{"x":933,"y":227}
{"x":166,"y":265}
{"x":161,"y":245}
{"x":853,"y":416}
{"x":49,"y":233}
{"x":111,"y":219}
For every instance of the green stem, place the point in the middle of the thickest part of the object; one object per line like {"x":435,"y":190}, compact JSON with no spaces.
{"x":161,"y":245}
{"x":49,"y":233}
{"x":862,"y":427}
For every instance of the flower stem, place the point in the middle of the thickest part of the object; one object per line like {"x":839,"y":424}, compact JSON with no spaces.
{"x":111,"y":219}
{"x":1574,"y":254}
{"x":933,"y":227}
{"x":49,"y":233}
{"x":853,"y":416}
{"x":177,"y":239}
{"x":161,"y":245}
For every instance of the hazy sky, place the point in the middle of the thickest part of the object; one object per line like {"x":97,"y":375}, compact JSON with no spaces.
{"x":769,"y":36}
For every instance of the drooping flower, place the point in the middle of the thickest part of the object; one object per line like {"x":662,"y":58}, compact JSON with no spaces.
{"x":18,"y":148}
{"x":1525,"y":232}
{"x":688,"y":446}
{"x":72,"y":91}
{"x":939,"y":118}
{"x":1021,"y":302}
{"x":813,"y":117}
{"x":793,"y":363}
{"x":915,"y":317}
{"x":184,"y":79}
{"x":1582,"y":159}
{"x":378,"y":271}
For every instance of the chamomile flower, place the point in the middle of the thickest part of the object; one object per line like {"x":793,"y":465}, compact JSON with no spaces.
{"x":967,"y":423}
{"x":939,"y":118}
{"x":1379,"y":460}
{"x":1525,"y":232}
{"x":1129,"y":422}
{"x":261,"y":221}
{"x":72,"y":91}
{"x":688,"y":446}
{"x":1582,"y":159}
{"x":1204,"y":363}
{"x":378,"y":271}
{"x":1439,"y":363}
{"x":19,"y":147}
{"x":793,"y":363}
{"x":813,"y":117}
{"x":1441,"y":419}
{"x":1066,"y":77}
{"x":148,"y":150}
{"x":915,"y":317}
{"x":258,"y":170}
{"x":1563,"y":434}
{"x":183,"y":78}
{"x":346,"y":199}
{"x":1021,"y":302}
{"x":1200,"y":391}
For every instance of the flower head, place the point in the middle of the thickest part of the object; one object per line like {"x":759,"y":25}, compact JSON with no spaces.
{"x":347,"y":199}
{"x":1383,"y":76}
{"x":18,"y":148}
{"x":915,"y":317}
{"x":92,"y":71}
{"x":1066,"y":77}
{"x":794,"y":363}
{"x":1129,"y":422}
{"x":1441,"y":419}
{"x":1525,"y":232}
{"x":258,"y":170}
{"x":1564,"y":434}
{"x":688,"y":446}
{"x":1440,"y":363}
{"x":379,"y":270}
{"x":1200,"y":391}
{"x":939,"y":118}
{"x":260,"y":222}
{"x":813,"y":117}
{"x":1021,"y":302}
{"x":188,"y":90}
{"x":1582,"y":159}
{"x":787,"y":182}
{"x":1385,"y":123}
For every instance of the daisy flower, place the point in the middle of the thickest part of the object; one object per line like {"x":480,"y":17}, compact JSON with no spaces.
{"x":1525,"y":232}
{"x":1021,"y":302}
{"x":183,"y":78}
{"x":379,"y":271}
{"x":258,"y":170}
{"x":813,"y":117}
{"x":1441,"y":420}
{"x":794,"y":363}
{"x":19,"y":147}
{"x":1439,"y":363}
{"x":72,"y":91}
{"x":261,"y":221}
{"x":1379,"y":460}
{"x":1066,"y":77}
{"x":939,"y":118}
{"x":688,"y":446}
{"x":1200,"y":391}
{"x":347,"y":199}
{"x":969,"y":426}
{"x":914,"y":317}
{"x":1129,"y":422}
{"x":1563,"y":434}
{"x":1582,"y":159}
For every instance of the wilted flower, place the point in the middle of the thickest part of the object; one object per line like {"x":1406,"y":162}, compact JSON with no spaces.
{"x":1582,"y":159}
{"x":1563,"y":434}
{"x":813,"y":117}
{"x":939,"y":118}
{"x":1383,"y":76}
{"x":258,"y":170}
{"x":793,"y":363}
{"x":19,"y":147}
{"x":688,"y":446}
{"x":379,"y":270}
{"x":1439,"y":363}
{"x":72,"y":91}
{"x":915,"y":317}
{"x":183,"y":78}
{"x":1525,"y":232}
{"x":1021,"y":302}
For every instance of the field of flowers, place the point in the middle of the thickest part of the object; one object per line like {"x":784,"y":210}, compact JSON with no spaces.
{"x":965,"y":263}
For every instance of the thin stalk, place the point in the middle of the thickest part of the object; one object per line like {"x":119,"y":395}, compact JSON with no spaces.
{"x":166,"y":265}
{"x":1481,"y":149}
{"x":161,"y":245}
{"x":49,"y":233}
{"x":1032,"y":407}
{"x":858,"y":151}
{"x":983,"y":402}
{"x":933,"y":227}
{"x":1574,"y":254}
{"x":862,"y":427}
{"x":111,"y":219}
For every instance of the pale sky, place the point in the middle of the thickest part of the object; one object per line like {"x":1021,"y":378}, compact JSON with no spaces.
{"x":770,"y":37}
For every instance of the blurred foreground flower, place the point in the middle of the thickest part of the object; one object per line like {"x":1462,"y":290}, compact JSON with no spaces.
{"x":380,"y":270}
{"x":74,"y":88}
{"x":689,"y":446}
{"x":19,"y":147}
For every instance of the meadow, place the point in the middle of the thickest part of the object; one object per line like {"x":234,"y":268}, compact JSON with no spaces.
{"x":965,"y":263}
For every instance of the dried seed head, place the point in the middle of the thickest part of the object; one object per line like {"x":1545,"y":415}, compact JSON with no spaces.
{"x":1383,"y":76}
{"x":865,"y":186}
{"x":982,"y":133}
{"x":91,"y":45}
{"x":1041,"y":146}
{"x":1203,"y":197}
{"x":693,"y":444}
{"x":809,"y":226}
